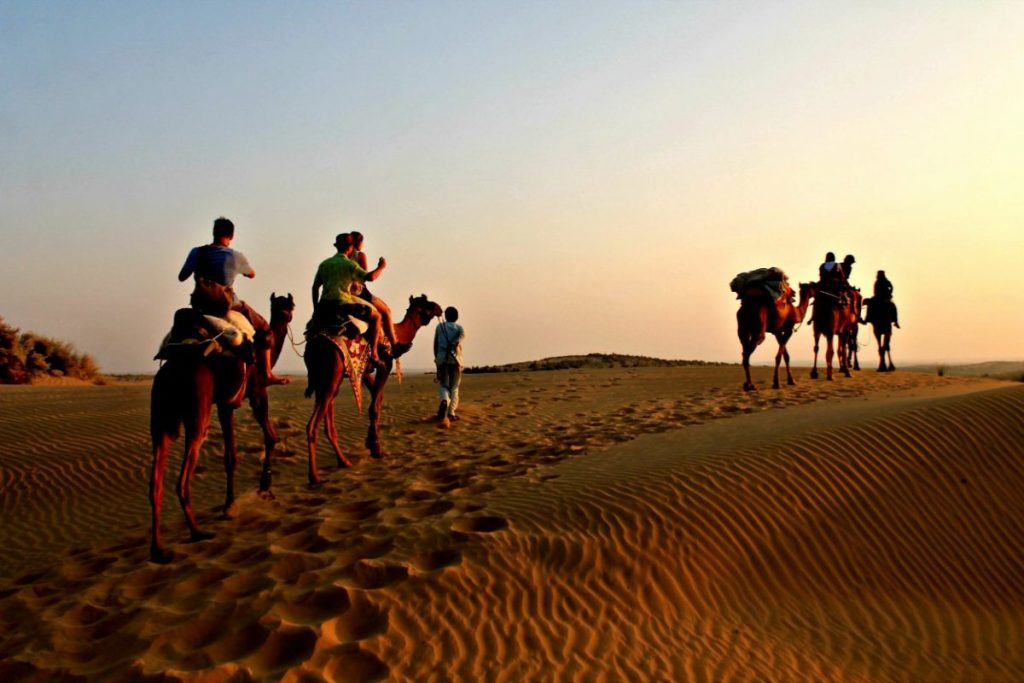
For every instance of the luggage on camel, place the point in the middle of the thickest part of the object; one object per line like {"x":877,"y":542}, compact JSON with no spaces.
{"x":771,"y":281}
{"x":197,"y":335}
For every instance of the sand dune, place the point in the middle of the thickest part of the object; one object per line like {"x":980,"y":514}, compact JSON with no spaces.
{"x":601,"y":525}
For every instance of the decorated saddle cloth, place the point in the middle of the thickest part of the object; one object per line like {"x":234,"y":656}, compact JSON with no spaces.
{"x":772,"y":281}
{"x":199,"y":334}
{"x":348,"y":334}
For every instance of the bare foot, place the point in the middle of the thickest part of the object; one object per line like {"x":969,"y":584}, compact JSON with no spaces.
{"x":444,"y":424}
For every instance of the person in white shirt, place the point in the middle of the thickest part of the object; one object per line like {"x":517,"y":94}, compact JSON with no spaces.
{"x":448,"y":338}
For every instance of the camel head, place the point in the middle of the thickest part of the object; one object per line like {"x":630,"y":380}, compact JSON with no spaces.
{"x":282,"y":307}
{"x":424,"y":308}
{"x":807,"y":291}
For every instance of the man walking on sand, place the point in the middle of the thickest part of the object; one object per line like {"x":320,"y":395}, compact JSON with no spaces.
{"x":448,"y":338}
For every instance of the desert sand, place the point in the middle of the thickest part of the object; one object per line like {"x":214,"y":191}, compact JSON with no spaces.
{"x":644,"y":524}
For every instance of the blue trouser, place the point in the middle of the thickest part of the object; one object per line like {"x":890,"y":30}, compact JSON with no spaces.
{"x":449,"y":375}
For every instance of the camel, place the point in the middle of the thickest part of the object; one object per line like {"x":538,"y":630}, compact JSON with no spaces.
{"x":829,"y":319}
{"x":185,"y":390}
{"x":326,"y":369}
{"x":849,"y":327}
{"x":880,"y":316}
{"x":758,"y":315}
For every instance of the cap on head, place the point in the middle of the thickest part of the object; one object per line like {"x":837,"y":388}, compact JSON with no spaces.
{"x":830,"y":256}
{"x":451,"y":314}
{"x":222,"y":227}
{"x":849,"y":259}
{"x":343,"y":241}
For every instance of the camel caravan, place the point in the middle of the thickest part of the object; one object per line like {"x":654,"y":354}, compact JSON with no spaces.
{"x":767,"y":306}
{"x":220,"y":352}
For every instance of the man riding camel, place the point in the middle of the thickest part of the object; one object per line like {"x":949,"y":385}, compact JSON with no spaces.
{"x":883,"y":294}
{"x":831,"y":276}
{"x":218,"y":263}
{"x":341,"y":280}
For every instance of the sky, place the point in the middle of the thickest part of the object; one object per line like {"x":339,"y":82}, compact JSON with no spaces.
{"x":574,"y":177}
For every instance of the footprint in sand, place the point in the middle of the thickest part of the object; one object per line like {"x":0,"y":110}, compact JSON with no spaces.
{"x":483,"y":524}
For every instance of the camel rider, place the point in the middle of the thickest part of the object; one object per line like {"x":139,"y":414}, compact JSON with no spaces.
{"x":831,"y":277}
{"x":219,"y":264}
{"x":341,"y":279}
{"x":847,"y":267}
{"x":883,"y":293}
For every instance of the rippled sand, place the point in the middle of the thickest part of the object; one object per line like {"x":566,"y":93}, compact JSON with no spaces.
{"x":654,"y":524}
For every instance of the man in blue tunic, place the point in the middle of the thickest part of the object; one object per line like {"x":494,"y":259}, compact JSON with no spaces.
{"x":217,"y":262}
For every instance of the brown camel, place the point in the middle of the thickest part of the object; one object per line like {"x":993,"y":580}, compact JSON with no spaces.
{"x":185,"y":390}
{"x":326,"y":370}
{"x":758,"y":315}
{"x":880,"y":316}
{"x":850,"y":325}
{"x":829,"y":319}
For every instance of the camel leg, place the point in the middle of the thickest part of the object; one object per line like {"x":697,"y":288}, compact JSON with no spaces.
{"x":789,"y":374}
{"x":332,"y":435}
{"x":749,"y":384}
{"x":311,"y":427}
{"x":380,"y":378}
{"x":829,"y":353}
{"x":193,"y":442}
{"x":261,"y":411}
{"x":226,"y":415}
{"x":814,"y":368}
{"x":881,"y":352}
{"x":778,"y":361}
{"x":161,"y":446}
{"x":888,"y":351}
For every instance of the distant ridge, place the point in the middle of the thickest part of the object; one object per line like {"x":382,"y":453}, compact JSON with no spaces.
{"x":1013,"y":370}
{"x":590,"y":360}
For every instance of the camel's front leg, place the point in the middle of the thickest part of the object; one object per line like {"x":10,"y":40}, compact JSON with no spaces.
{"x":817,"y":343}
{"x":226,"y":415}
{"x":829,"y":352}
{"x":161,"y":446}
{"x":380,"y":378}
{"x":749,"y":385}
{"x":260,"y":405}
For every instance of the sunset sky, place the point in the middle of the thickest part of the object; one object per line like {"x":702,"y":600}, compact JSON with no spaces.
{"x":574,"y":176}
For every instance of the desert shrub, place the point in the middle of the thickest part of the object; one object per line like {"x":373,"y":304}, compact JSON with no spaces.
{"x":12,"y":360}
{"x":27,"y":355}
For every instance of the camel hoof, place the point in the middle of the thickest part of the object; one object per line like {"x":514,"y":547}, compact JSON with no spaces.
{"x":344,"y":463}
{"x":892,"y":368}
{"x":814,"y":374}
{"x":378,"y":455}
{"x":160,"y":556}
{"x":791,"y":382}
{"x":315,"y":484}
{"x":198,"y":536}
{"x":775,"y":385}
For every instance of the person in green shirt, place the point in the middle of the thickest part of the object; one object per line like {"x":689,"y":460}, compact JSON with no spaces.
{"x":337,"y":284}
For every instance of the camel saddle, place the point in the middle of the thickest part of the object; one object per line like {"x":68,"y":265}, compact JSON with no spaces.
{"x":196,"y":335}
{"x":763,"y":281}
